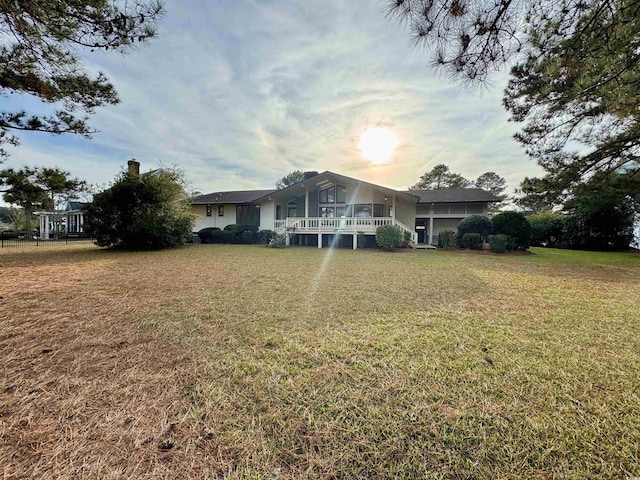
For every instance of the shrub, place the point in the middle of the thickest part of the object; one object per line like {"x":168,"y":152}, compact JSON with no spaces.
{"x":265,"y":236}
{"x":248,"y":238}
{"x":218,"y":236}
{"x":238,"y":230}
{"x":406,"y":238}
{"x":475,"y":224}
{"x":278,"y":241}
{"x":498,"y":243}
{"x":141,"y":212}
{"x":546,"y":228}
{"x":205,"y":234}
{"x":516,"y":226}
{"x":389,"y":237}
{"x":472,"y":241}
{"x":447,"y":238}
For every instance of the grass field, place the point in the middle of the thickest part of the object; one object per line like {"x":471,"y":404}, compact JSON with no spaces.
{"x":245,"y":362}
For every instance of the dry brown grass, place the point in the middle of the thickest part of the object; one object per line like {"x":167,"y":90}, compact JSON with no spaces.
{"x":258,"y":363}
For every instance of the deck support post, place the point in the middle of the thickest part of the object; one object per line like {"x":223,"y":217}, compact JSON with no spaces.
{"x":46,"y":227}
{"x":355,"y":241}
{"x":431,"y":230}
{"x":287,"y":240}
{"x":319,"y":240}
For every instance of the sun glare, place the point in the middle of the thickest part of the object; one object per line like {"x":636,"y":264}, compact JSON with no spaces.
{"x":377,"y":145}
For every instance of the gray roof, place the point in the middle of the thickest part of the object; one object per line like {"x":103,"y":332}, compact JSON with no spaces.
{"x":339,"y":177}
{"x":237,"y":196}
{"x":77,"y":206}
{"x":455,"y":195}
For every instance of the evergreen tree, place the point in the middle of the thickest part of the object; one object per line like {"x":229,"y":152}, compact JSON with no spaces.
{"x":440,"y":177}
{"x":142,"y":212}
{"x":289,"y":179}
{"x":38,"y":188}
{"x":40,"y":57}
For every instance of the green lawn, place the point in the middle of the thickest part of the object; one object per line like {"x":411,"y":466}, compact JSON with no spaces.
{"x":309,"y":363}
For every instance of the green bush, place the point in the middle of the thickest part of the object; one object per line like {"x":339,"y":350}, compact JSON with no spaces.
{"x":248,"y":238}
{"x":389,"y":237}
{"x":472,"y":241}
{"x":447,"y":238}
{"x":546,"y":228}
{"x":265,"y":236}
{"x":406,"y":238}
{"x":475,"y":224}
{"x":232,"y":227}
{"x":217,"y":236}
{"x":238,"y":231}
{"x":141,"y":212}
{"x":514,"y":225}
{"x":205,"y":234}
{"x":498,"y":243}
{"x":278,"y":241}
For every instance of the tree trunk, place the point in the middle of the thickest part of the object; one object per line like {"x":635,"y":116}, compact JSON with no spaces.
{"x":28,"y":229}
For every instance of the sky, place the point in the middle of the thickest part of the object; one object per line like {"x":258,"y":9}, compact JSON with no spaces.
{"x":239,"y":93}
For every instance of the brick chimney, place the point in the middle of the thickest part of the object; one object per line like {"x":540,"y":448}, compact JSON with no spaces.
{"x":134,"y":167}
{"x":308,"y":175}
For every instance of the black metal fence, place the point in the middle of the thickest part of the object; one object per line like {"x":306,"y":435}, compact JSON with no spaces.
{"x":21,"y":239}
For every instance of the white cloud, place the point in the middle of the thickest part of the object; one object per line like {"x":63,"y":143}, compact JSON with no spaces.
{"x":240,"y":93}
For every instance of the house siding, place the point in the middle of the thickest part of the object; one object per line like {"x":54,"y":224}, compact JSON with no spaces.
{"x":202,"y":221}
{"x":405,"y":212}
{"x":267,"y":215}
{"x":440,"y":224}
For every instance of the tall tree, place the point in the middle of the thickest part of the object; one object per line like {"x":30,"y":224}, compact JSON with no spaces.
{"x":142,"y":212}
{"x":492,"y":182}
{"x":40,"y":57}
{"x":38,"y":188}
{"x":533,"y":196}
{"x":60,"y":186}
{"x":576,"y":84}
{"x":289,"y":179}
{"x":5,"y":215}
{"x":20,"y":188}
{"x":579,"y":97}
{"x":440,"y":177}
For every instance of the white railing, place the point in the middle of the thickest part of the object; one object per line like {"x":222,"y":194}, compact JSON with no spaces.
{"x":339,"y":224}
{"x":279,"y":225}
{"x":414,"y":234}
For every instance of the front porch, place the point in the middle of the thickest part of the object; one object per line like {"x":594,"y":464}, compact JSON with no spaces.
{"x":338,"y":226}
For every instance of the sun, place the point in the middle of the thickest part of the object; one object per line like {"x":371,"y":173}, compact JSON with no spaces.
{"x":377,"y":145}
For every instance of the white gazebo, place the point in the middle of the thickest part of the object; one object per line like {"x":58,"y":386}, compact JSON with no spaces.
{"x":70,"y":221}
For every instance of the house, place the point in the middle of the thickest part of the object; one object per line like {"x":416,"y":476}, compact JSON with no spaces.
{"x":69,"y":221}
{"x":323,"y":205}
{"x":438,"y":210}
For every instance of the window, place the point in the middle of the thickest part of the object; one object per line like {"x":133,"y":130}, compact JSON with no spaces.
{"x":458,"y":208}
{"x":333,"y":196}
{"x":221,"y":210}
{"x":378,"y":210}
{"x":328,"y":195}
{"x":327,"y":212}
{"x":475,"y":208}
{"x":278,"y":212}
{"x":248,"y":214}
{"x":292,"y":211}
{"x":208,"y":210}
{"x":362,"y":210}
{"x":442,"y":208}
{"x":391,"y":210}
